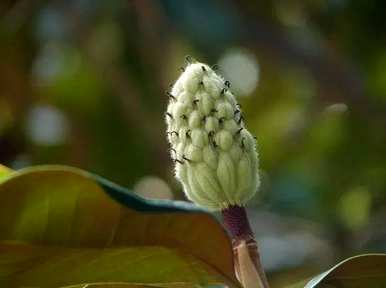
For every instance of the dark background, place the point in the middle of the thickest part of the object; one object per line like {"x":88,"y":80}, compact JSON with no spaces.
{"x":83,"y":83}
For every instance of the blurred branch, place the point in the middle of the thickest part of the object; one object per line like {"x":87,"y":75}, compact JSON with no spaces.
{"x":150,"y":23}
{"x":20,"y":13}
{"x":137,"y":117}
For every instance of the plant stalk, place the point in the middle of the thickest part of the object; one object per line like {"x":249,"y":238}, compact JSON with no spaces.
{"x":248,"y":267}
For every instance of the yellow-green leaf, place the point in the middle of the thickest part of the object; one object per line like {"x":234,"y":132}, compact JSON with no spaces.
{"x":368,"y":270}
{"x":44,"y":266}
{"x":73,"y":232}
{"x":4,"y":172}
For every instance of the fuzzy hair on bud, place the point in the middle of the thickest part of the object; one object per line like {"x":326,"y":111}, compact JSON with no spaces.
{"x":215,"y":155}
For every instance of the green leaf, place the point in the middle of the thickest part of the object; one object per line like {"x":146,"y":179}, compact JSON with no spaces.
{"x":127,"y":285}
{"x":368,"y":270}
{"x":59,"y":226}
{"x":4,"y":172}
{"x":113,"y":285}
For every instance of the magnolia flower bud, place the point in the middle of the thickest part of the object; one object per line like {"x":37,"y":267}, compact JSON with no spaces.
{"x":214,"y":154}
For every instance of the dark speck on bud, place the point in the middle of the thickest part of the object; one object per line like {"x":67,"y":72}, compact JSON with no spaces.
{"x":187,"y":134}
{"x":178,"y":161}
{"x":239,"y":131}
{"x":242,"y":144}
{"x":184,"y":157}
{"x":189,"y":59}
{"x":241,"y":119}
{"x":172,"y":132}
{"x":170,"y":95}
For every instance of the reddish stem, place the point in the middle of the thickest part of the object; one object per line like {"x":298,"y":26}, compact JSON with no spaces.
{"x":236,"y":222}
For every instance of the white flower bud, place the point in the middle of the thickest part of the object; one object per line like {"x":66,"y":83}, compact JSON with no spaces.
{"x":215,"y":156}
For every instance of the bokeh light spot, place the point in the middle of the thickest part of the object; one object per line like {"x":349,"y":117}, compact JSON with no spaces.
{"x":354,"y":208}
{"x":337,"y":108}
{"x":153,"y":187}
{"x":46,"y":125}
{"x":241,"y":68}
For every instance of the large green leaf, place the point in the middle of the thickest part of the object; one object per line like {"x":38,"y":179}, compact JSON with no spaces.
{"x":368,"y":270}
{"x":59,"y":227}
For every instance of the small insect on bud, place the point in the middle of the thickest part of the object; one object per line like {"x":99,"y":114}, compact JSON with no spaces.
{"x":221,"y":165}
